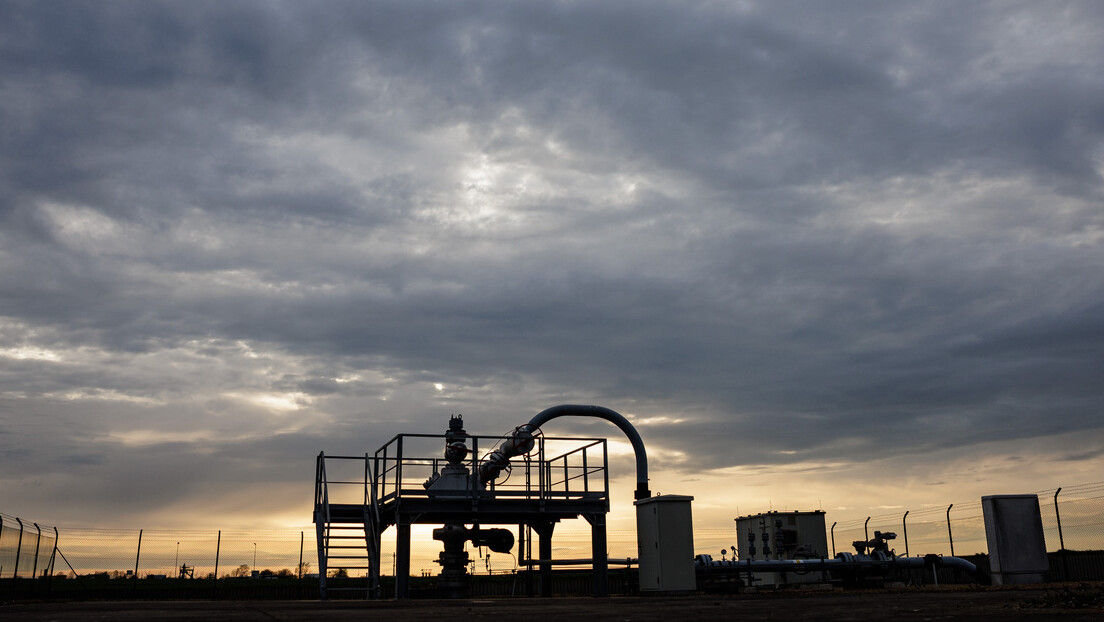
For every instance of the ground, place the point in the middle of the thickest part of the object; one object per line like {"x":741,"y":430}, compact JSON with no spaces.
{"x":1084,"y":601}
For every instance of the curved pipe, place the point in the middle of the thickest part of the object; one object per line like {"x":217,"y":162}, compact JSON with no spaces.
{"x":617,"y":419}
{"x":521,"y":441}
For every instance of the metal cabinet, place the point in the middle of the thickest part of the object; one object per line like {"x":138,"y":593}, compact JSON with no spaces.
{"x":665,"y":537}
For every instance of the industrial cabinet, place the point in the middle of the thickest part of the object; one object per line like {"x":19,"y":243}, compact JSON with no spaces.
{"x":665,"y":537}
{"x":783,"y":536}
{"x":1014,"y":532}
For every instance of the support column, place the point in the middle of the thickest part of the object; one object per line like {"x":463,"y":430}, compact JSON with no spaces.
{"x":600,"y":564}
{"x":544,"y":530}
{"x":402,"y":557}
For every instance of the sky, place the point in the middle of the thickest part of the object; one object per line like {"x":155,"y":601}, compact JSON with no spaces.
{"x":843,"y":255}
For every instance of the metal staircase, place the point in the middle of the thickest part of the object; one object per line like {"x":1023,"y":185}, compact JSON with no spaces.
{"x":348,"y":535}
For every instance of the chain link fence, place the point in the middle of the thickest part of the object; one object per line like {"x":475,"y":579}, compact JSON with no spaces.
{"x":26,"y":549}
{"x":1073,"y":520}
{"x":193,"y":554}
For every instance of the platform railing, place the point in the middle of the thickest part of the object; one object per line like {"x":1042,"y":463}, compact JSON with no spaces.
{"x":407,"y":461}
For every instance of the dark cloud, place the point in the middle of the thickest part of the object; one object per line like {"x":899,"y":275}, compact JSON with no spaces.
{"x":237,"y":233}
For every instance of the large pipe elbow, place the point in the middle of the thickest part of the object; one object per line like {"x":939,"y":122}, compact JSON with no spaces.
{"x":616,"y":418}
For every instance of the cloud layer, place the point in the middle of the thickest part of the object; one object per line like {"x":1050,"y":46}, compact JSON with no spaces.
{"x":234,"y":234}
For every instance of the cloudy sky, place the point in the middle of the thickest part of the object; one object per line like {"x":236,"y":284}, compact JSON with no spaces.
{"x":824,"y":254}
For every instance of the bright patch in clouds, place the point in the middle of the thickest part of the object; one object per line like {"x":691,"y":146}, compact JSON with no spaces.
{"x":30,"y":353}
{"x":279,"y":402}
{"x":158,"y":437}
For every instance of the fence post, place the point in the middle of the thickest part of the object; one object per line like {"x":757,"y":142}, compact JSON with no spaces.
{"x":1061,"y":540}
{"x":53,"y":558}
{"x":299,"y":583}
{"x":218,"y":546}
{"x":833,"y":532}
{"x":137,"y":556}
{"x":904,"y":528}
{"x":34,"y":568}
{"x":18,"y":551}
{"x":950,"y":536}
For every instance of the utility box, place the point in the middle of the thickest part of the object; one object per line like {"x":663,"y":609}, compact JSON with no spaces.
{"x":665,"y":539}
{"x":1014,"y":532}
{"x":783,"y":535}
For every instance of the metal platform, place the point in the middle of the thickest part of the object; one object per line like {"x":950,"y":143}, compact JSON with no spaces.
{"x":357,"y":498}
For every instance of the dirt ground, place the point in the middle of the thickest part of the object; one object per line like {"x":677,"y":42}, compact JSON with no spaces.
{"x":1083,"y":601}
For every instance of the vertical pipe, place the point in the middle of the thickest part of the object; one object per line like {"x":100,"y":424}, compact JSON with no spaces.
{"x":1061,"y":540}
{"x":904,"y":528}
{"x":599,"y":562}
{"x":950,"y":536}
{"x":833,"y":532}
{"x":137,"y":556}
{"x":866,"y":532}
{"x":300,"y":555}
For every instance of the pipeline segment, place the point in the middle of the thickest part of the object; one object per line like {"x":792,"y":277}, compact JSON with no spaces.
{"x":521,"y":441}
{"x":843,"y":561}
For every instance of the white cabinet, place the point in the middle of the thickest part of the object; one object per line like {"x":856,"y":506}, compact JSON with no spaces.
{"x":665,"y":537}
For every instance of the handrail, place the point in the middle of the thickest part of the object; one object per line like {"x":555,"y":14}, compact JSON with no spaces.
{"x":398,"y":475}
